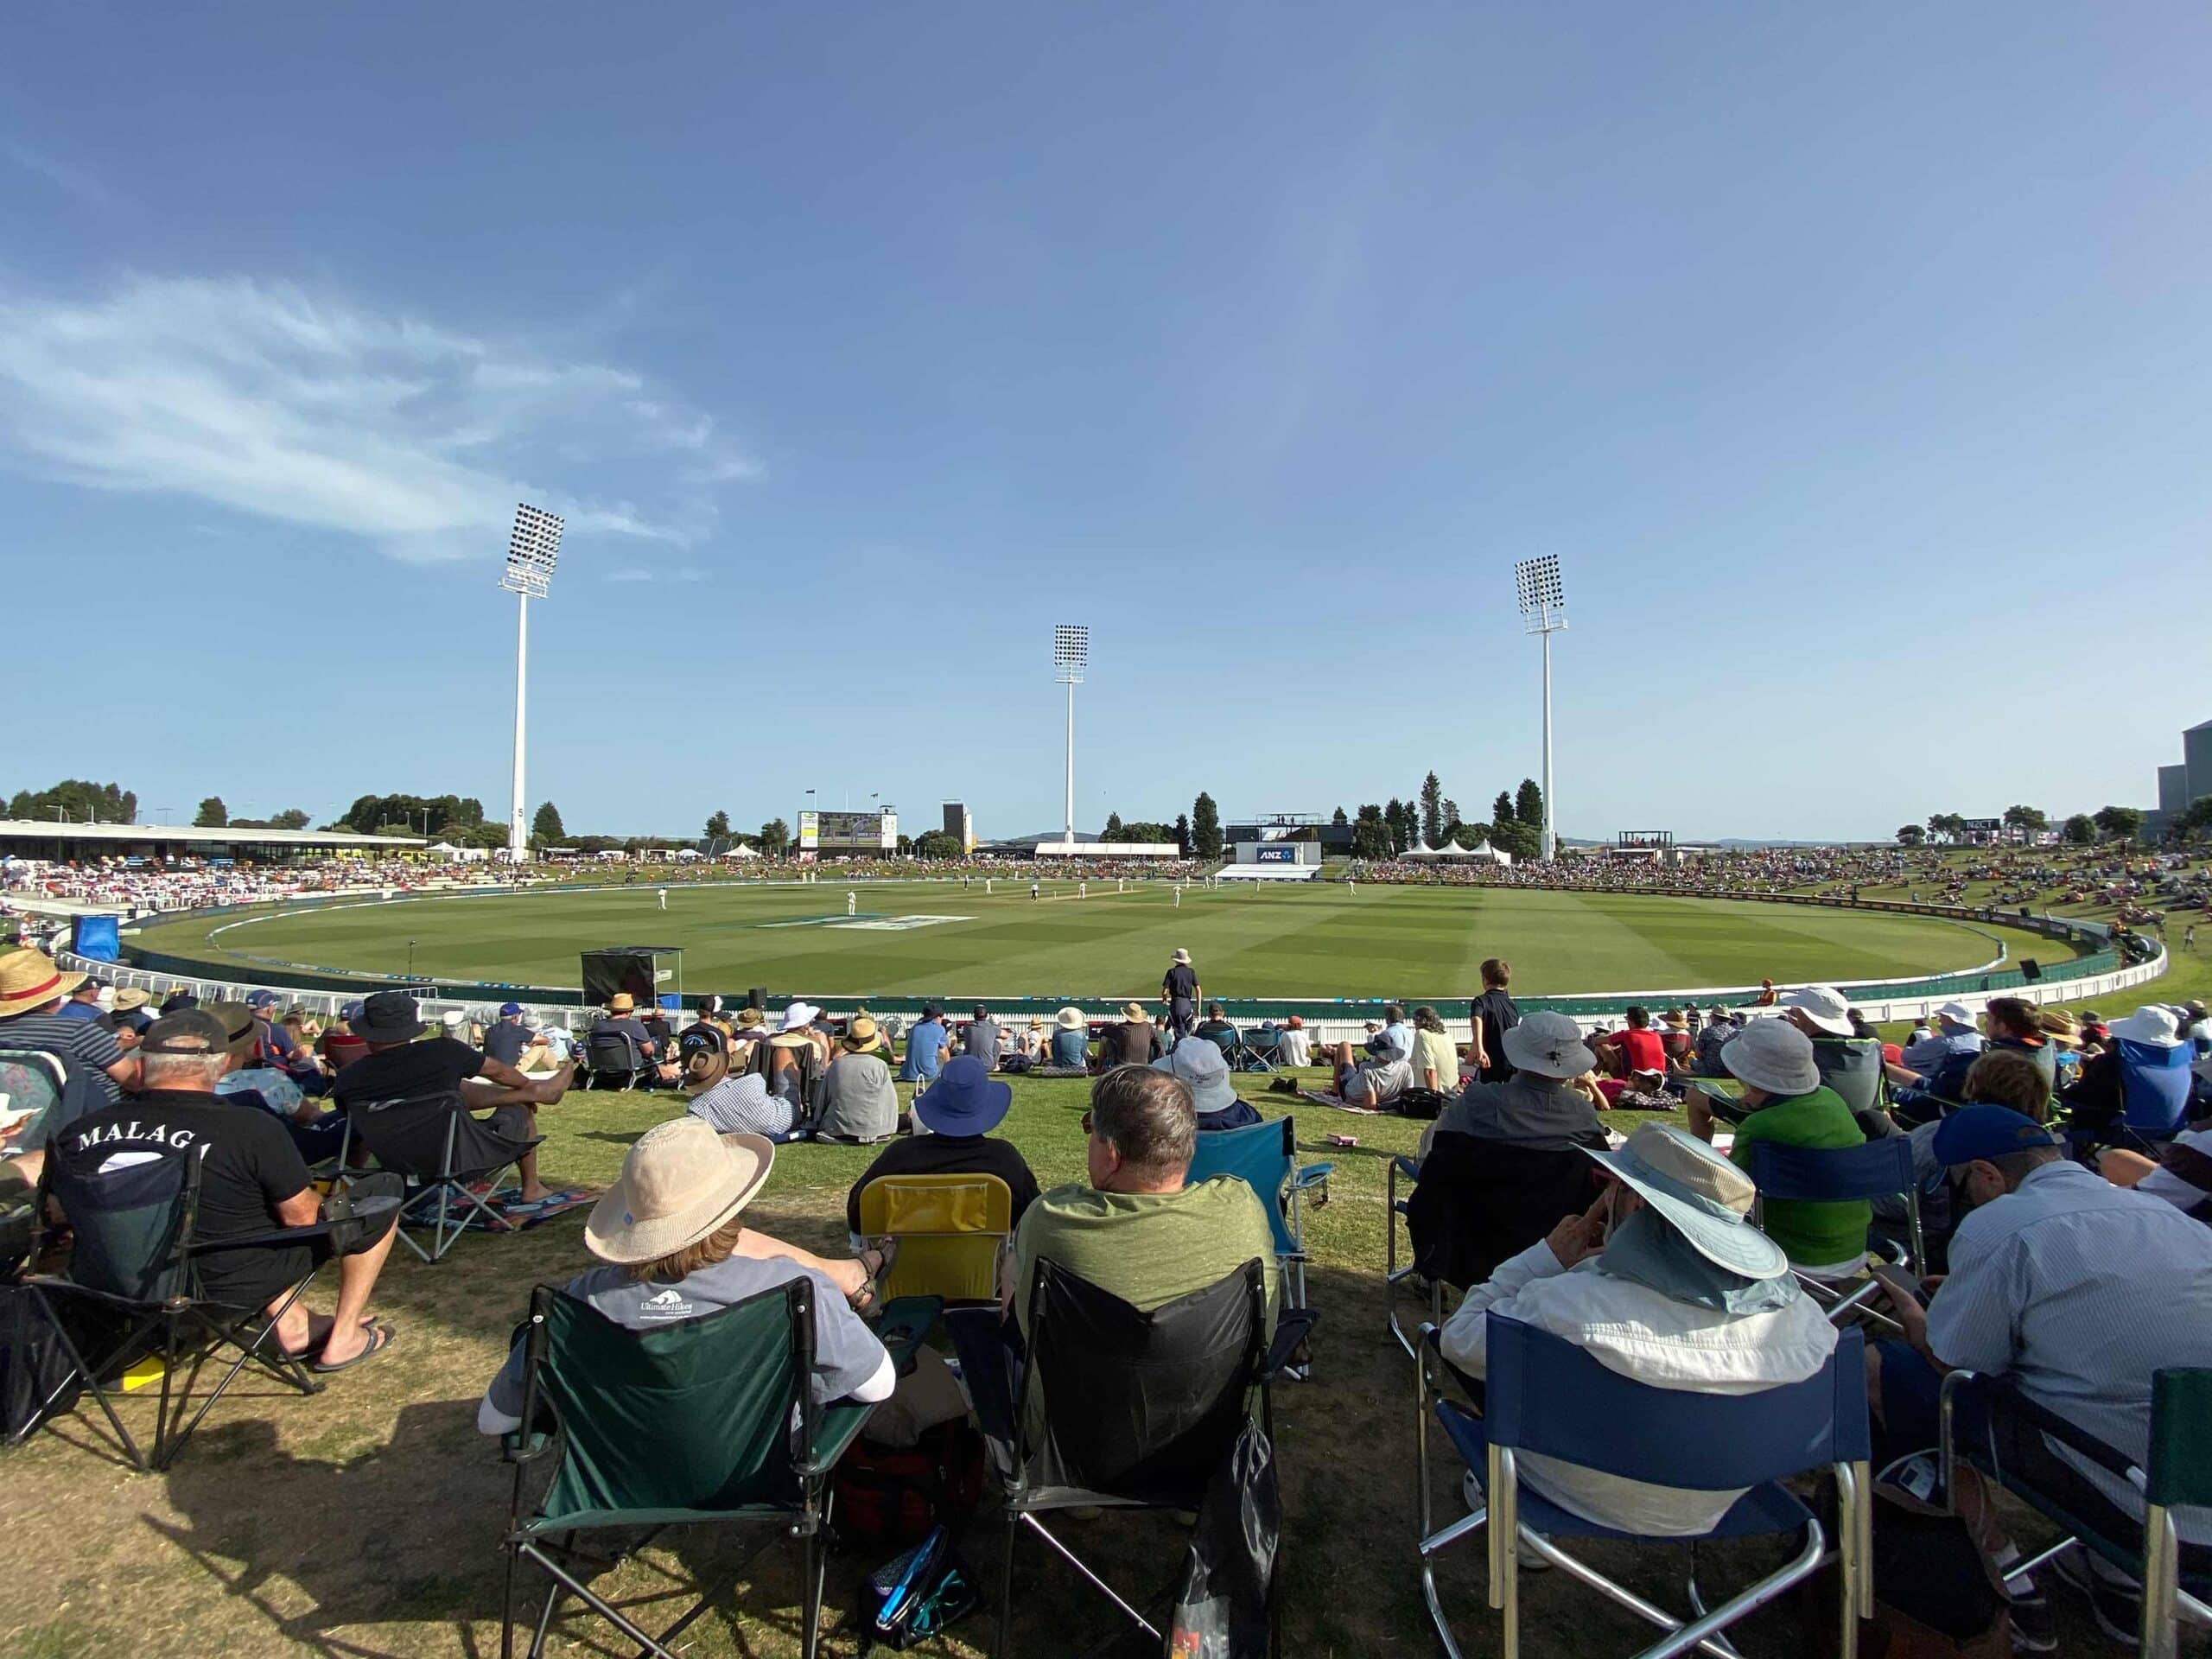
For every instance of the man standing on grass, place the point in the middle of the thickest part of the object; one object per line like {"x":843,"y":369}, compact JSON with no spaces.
{"x":1179,"y":990}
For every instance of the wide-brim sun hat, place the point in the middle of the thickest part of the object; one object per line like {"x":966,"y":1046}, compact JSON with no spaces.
{"x":1958,"y":1013}
{"x":860,"y":1033}
{"x":1204,"y":1070}
{"x":1070,"y":1018}
{"x":966,"y":1099}
{"x":800,"y":1014}
{"x":30,"y":980}
{"x":1699,"y":1193}
{"x":1824,"y":1006}
{"x":1550,"y":1045}
{"x":1773,"y":1055}
{"x":1134,"y":1012}
{"x":621,"y":1002}
{"x":128,"y":997}
{"x":388,"y":1017}
{"x":680,"y":1182}
{"x":1182,"y":955}
{"x":2151,"y":1024}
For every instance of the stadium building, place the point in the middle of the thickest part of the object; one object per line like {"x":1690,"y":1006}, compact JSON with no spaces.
{"x":85,"y":843}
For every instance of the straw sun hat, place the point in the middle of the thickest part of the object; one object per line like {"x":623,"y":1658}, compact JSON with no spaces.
{"x":680,"y":1182}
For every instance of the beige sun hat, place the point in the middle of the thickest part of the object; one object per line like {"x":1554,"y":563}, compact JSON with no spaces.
{"x":30,"y":980}
{"x":1134,"y":1012}
{"x":1182,"y":955}
{"x":621,"y":1002}
{"x":680,"y":1182}
{"x":1070,"y":1018}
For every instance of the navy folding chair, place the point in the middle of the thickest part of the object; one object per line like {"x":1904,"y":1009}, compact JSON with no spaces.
{"x":612,"y":1059}
{"x":1257,"y":1051}
{"x":1880,"y":1169}
{"x":1264,"y":1156}
{"x":1544,"y":1396}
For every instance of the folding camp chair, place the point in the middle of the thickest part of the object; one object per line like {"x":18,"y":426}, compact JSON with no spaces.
{"x":444,"y":1152}
{"x":133,"y":1261}
{"x":683,"y":1424}
{"x":1853,"y":1067}
{"x":1264,"y":1156}
{"x":1880,"y":1169}
{"x":2154,"y":1084}
{"x":54,"y":1090}
{"x":1137,"y":1410}
{"x":1543,"y":1395}
{"x":952,"y":1231}
{"x":613,"y":1060}
{"x":1980,"y":1415}
{"x":1257,"y":1051}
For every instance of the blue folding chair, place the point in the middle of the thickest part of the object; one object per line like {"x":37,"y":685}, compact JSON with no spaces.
{"x":2154,"y":1084}
{"x":1544,"y":1396}
{"x":1257,"y":1051}
{"x":1265,"y":1157}
{"x":1880,"y":1169}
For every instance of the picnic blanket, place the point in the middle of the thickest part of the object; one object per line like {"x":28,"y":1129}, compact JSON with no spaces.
{"x":557,"y":1203}
{"x":1337,"y":1102}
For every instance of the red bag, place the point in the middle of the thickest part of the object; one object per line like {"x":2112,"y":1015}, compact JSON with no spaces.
{"x":889,"y":1495}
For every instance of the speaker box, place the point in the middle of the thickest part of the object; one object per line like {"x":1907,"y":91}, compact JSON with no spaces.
{"x":2030,"y":970}
{"x":757,"y":997}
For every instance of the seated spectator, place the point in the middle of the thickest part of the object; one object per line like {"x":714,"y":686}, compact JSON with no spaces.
{"x":927,"y":1042}
{"x":1636,"y":1050}
{"x":960,"y":1109}
{"x":2075,"y":1290}
{"x":1204,"y":1070}
{"x":1216,"y":1028}
{"x":128,"y":1011}
{"x":1956,"y":1032}
{"x":1131,"y":1227}
{"x":2181,"y":1173}
{"x":1071,"y":1045}
{"x":1029,"y":1045}
{"x":657,"y":1027}
{"x":859,"y":1101}
{"x":742,"y":1104}
{"x":621,"y":1019}
{"x":1785,"y":1102}
{"x":1665,"y":1280}
{"x":1720,"y":1026}
{"x":1436,"y":1062}
{"x":338,"y":1044}
{"x":2096,"y":1099}
{"x":398,"y":1067}
{"x":1131,"y":1040}
{"x":252,"y":1179}
{"x":1381,"y":1074}
{"x":32,"y":991}
{"x":984,"y":1039}
{"x":83,"y":1002}
{"x":1538,"y":1105}
{"x":1674,"y":1037}
{"x":2013,"y":1024}
{"x":251,"y":1081}
{"x":670,"y":1230}
{"x":507,"y":1037}
{"x":1296,"y":1046}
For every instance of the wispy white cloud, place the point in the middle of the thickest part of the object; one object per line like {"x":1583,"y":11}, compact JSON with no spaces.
{"x":80,"y":184}
{"x":269,"y":401}
{"x":642,"y":573}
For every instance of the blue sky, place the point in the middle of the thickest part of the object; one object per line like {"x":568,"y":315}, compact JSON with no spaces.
{"x":1851,"y":359}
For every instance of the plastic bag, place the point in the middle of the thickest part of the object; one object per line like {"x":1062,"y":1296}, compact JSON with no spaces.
{"x":1222,"y":1606}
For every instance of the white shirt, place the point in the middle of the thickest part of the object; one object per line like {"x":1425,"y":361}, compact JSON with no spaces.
{"x":1297,"y":1047}
{"x":1632,"y":1330}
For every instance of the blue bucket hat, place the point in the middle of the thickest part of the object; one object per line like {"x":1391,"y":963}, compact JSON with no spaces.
{"x":1987,"y":1132}
{"x":966,"y":1099}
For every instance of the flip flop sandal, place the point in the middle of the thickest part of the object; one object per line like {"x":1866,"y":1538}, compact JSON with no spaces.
{"x":381,"y":1337}
{"x":885,"y":1251}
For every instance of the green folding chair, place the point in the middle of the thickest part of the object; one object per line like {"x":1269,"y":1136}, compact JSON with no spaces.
{"x":686,"y":1424}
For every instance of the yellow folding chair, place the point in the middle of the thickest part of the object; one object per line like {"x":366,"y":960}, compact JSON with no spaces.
{"x":952,"y":1231}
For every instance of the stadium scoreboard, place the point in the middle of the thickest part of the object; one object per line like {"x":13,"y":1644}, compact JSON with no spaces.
{"x":848,"y":832}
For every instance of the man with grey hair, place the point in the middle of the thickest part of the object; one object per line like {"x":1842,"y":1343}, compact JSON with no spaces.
{"x":252,"y":1179}
{"x":1133,"y":1229}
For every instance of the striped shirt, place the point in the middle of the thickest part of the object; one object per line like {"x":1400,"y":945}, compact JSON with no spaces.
{"x":743,"y":1106}
{"x":91,"y":1044}
{"x":2079,"y":1290}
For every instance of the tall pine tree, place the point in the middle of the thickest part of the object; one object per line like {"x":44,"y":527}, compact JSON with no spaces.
{"x":1205,"y":826}
{"x":1432,"y":810}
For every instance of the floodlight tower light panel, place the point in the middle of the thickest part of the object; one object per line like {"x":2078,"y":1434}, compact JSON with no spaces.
{"x":1541,"y":593}
{"x":532,"y":551}
{"x":1070,"y":652}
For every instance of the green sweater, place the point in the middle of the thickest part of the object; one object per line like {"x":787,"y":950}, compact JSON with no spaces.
{"x":1812,"y":1235}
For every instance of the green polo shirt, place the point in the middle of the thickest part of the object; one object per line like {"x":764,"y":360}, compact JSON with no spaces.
{"x":1145,"y":1247}
{"x":1812,"y":1235}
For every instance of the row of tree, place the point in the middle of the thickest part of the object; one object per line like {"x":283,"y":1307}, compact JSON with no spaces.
{"x":2082,"y":829}
{"x":1432,"y":819}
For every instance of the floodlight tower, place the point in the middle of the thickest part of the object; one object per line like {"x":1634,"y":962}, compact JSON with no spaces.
{"x":1070,"y":656}
{"x":532,"y":551}
{"x":1543,"y":610}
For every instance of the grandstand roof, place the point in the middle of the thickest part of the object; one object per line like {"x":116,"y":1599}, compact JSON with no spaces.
{"x":126,"y":837}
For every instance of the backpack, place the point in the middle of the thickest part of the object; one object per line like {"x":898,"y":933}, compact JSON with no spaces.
{"x":1423,"y":1103}
{"x":888,"y":1495}
{"x":37,"y":1380}
{"x":1936,"y":1593}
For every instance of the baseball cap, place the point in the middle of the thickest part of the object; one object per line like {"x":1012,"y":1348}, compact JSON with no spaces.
{"x":1986,"y":1131}
{"x":507,"y":1008}
{"x":189,"y":1030}
{"x":260,"y":1000}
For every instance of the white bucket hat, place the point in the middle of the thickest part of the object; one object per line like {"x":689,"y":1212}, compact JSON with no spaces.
{"x":799,"y":1015}
{"x":1549,"y":1045}
{"x":680,"y":1182}
{"x":1773,"y":1055}
{"x":1205,"y":1071}
{"x":1957,"y":1013}
{"x":1182,"y":955}
{"x":2153,"y":1024}
{"x":1699,"y":1193}
{"x":1825,"y":1006}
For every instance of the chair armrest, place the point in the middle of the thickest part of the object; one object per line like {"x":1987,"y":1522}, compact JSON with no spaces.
{"x":983,"y":1367}
{"x":367,"y":1209}
{"x":2001,"y":1397}
{"x":1405,"y":1166}
{"x":1312,"y":1175}
{"x":836,"y":1428}
{"x":1292,"y":1328}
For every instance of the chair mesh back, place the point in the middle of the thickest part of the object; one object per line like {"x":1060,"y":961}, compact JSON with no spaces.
{"x":408,"y":1135}
{"x":30,"y":1086}
{"x":1853,"y":1067}
{"x":689,"y":1416}
{"x":1478,"y":1203}
{"x":1833,"y":1174}
{"x":1259,"y":1155}
{"x":613,"y":1050}
{"x":1141,"y":1406}
{"x":127,"y":1221}
{"x":1546,"y":1395}
{"x":950,"y":1228}
{"x":2154,"y":1084}
{"x":2181,"y":1439}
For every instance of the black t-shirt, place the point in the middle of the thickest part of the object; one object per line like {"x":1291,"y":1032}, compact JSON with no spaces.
{"x":506,"y":1041}
{"x":1496,"y":1010}
{"x":436,"y":1067}
{"x":1182,"y":982}
{"x":657,"y":1028}
{"x":248,"y":1166}
{"x":948,"y":1155}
